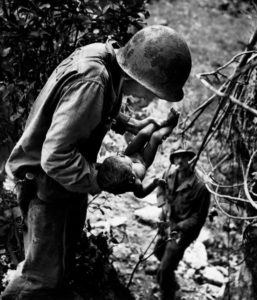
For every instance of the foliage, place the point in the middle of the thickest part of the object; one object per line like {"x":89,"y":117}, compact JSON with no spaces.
{"x":11,"y":241}
{"x":37,"y":35}
{"x":235,"y":7}
{"x":94,"y":276}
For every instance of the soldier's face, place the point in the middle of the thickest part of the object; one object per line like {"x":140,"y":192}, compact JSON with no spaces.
{"x":181,"y":161}
{"x":133,"y":88}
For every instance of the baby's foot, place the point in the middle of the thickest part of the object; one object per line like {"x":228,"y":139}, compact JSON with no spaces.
{"x":172,"y":119}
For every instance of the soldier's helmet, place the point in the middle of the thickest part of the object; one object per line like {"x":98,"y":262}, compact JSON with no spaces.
{"x":159,"y":59}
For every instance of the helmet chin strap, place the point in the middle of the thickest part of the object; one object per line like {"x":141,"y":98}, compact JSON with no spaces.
{"x":120,"y":85}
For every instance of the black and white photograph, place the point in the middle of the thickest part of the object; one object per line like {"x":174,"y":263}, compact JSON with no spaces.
{"x":128,"y":150}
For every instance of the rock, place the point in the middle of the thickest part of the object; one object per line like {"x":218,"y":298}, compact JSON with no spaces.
{"x":10,"y":275}
{"x":115,"y":222}
{"x":212,"y":290}
{"x":152,"y":265}
{"x":196,"y":256}
{"x":150,"y":199}
{"x":121,"y":251}
{"x":148,"y":215}
{"x":223,"y":270}
{"x":100,"y":226}
{"x":213,"y":276}
{"x":151,"y":270}
{"x":189,"y":273}
{"x":118,"y":221}
{"x":205,"y":236}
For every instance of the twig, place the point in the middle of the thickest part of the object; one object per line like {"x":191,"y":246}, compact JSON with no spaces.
{"x":230,"y":86}
{"x":249,"y":47}
{"x":208,"y":131}
{"x":200,"y":109}
{"x":141,"y":259}
{"x":228,"y":63}
{"x":230,"y":97}
{"x":227,"y":186}
{"x":246,"y":107}
{"x":222,"y":210}
{"x":96,"y":196}
{"x":217,"y":127}
{"x":221,"y":162}
{"x":253,"y":203}
{"x":232,"y":198}
{"x":211,"y":181}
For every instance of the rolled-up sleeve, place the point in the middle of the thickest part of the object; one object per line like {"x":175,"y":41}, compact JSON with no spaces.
{"x":78,"y":113}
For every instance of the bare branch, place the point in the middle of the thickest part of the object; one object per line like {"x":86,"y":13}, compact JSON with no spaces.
{"x":216,"y":195}
{"x":207,"y":179}
{"x":230,"y":97}
{"x":247,"y":193}
{"x":233,"y":59}
{"x":220,"y":162}
{"x":200,"y":109}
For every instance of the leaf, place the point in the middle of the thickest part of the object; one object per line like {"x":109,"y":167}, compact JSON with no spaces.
{"x":47,"y":6}
{"x":17,"y":115}
{"x":96,"y":31}
{"x":5,"y":52}
{"x":141,"y":15}
{"x":35,"y":34}
{"x":115,"y":7}
{"x":106,"y":8}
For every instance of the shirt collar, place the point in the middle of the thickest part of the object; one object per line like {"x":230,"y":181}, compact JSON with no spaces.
{"x":187,"y":183}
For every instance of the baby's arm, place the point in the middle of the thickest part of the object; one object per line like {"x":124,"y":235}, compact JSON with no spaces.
{"x":142,"y":190}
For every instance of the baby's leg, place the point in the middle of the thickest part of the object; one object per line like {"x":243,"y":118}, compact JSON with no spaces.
{"x":172,"y":119}
{"x":139,"y":141}
{"x":152,"y":146}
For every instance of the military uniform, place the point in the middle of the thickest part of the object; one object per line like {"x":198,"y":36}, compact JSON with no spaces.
{"x":185,"y":208}
{"x":58,"y":150}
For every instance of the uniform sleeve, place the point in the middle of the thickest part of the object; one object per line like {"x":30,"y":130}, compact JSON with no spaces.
{"x":160,"y":194}
{"x":78,"y":113}
{"x":199,"y":213}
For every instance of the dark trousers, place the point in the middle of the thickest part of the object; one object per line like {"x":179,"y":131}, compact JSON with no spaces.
{"x":170,"y":259}
{"x":53,"y":229}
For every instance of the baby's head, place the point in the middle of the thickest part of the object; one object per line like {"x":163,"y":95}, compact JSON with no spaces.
{"x":115,"y":174}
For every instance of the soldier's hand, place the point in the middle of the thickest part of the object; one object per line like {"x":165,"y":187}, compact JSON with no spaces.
{"x":176,"y":235}
{"x":162,"y":227}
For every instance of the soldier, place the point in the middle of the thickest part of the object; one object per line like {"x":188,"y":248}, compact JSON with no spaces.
{"x":54,"y":161}
{"x":185,"y":202}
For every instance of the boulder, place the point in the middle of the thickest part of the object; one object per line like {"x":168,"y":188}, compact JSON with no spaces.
{"x":196,"y":256}
{"x":213,"y":275}
{"x":148,"y":215}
